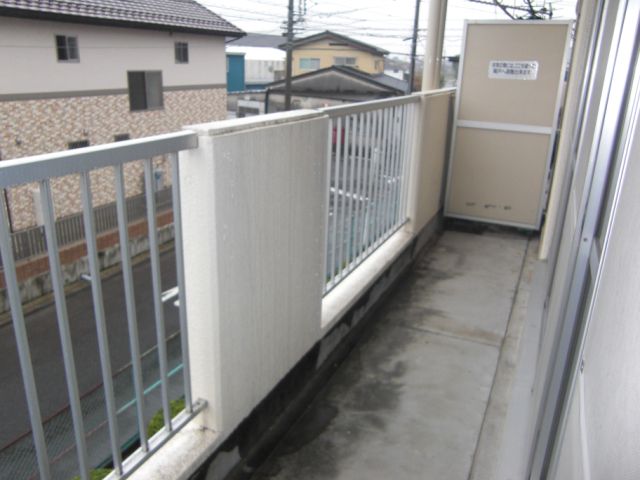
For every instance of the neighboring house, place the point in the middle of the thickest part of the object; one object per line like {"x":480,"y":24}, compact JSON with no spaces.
{"x":84,"y":73}
{"x":264,"y":62}
{"x":329,"y":49}
{"x":332,"y":86}
{"x":449,"y":71}
{"x":398,"y":74}
{"x":235,"y":72}
{"x":397,"y":67}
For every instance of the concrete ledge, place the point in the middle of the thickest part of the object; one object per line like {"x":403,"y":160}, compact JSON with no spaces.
{"x":503,"y":445}
{"x":181,"y":456}
{"x":519,"y":429}
{"x":339,"y":300}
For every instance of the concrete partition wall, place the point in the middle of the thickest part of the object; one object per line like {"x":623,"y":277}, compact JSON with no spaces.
{"x":429,"y":166}
{"x":253,"y":203}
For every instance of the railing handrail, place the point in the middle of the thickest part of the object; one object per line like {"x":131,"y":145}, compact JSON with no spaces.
{"x":434,"y":92}
{"x":353,"y":108}
{"x":40,"y":167}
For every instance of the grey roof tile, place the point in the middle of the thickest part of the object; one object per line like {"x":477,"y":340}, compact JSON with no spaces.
{"x":393,"y":82}
{"x":258,"y":40}
{"x":187,"y":15}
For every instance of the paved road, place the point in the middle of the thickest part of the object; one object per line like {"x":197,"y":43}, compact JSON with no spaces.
{"x":46,"y":351}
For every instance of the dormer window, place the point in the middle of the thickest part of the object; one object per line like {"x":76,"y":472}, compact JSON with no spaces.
{"x":67,"y":48}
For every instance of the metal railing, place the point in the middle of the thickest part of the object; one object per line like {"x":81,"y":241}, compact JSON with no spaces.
{"x":41,"y":169}
{"x":369,"y":151}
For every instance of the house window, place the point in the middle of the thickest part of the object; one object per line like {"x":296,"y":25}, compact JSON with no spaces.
{"x":78,"y":144}
{"x":67,"y":48}
{"x":182,"y":52}
{"x":345,"y":61}
{"x":309,"y":63}
{"x":145,"y":90}
{"x":121,"y":137}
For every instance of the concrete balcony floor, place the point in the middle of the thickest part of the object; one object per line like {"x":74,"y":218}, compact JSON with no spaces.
{"x":419,"y":396}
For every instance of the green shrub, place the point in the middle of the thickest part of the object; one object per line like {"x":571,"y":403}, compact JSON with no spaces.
{"x":157,"y":421}
{"x":97,"y":474}
{"x":155,"y":425}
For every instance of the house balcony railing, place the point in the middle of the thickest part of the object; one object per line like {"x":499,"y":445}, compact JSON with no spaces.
{"x":281,"y":222}
{"x":41,"y":169}
{"x":368,"y":167}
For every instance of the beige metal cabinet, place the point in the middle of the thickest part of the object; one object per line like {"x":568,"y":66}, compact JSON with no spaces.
{"x":510,"y":91}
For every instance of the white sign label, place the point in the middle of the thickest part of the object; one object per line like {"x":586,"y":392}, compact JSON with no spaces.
{"x":508,"y":70}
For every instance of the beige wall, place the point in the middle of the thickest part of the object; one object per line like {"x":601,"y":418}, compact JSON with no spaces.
{"x":505,"y":127}
{"x":27,"y":50}
{"x":325,"y":52}
{"x":430,"y":119}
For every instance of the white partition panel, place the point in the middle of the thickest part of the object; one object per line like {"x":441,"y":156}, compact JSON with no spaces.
{"x":253,"y":206}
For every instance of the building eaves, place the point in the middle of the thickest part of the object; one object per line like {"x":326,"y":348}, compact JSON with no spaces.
{"x":173,"y":15}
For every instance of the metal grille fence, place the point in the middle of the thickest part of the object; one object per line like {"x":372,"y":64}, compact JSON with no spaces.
{"x":31,"y":242}
{"x":41,"y":169}
{"x":368,"y":160}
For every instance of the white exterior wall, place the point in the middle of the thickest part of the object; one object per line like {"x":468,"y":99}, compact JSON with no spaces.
{"x":605,"y":440}
{"x":262,"y":71}
{"x":28,"y":51}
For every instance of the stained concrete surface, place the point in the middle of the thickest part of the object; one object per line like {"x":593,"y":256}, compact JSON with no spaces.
{"x":410,"y":399}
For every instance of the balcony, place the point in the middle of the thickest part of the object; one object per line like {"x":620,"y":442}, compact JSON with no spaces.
{"x":269,"y":260}
{"x":421,"y":394}
{"x":316,"y":314}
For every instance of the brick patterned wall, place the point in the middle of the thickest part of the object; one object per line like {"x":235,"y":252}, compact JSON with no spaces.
{"x":31,"y":127}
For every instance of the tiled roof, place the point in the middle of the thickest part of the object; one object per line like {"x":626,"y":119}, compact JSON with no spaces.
{"x":179,"y":15}
{"x":258,"y":40}
{"x":327,"y":34}
{"x":390,"y":81}
{"x":318,"y":75}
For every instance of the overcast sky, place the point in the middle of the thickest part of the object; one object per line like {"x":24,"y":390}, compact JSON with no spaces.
{"x":384,"y":23}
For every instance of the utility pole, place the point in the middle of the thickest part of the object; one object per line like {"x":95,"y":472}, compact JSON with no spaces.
{"x":287,"y":80}
{"x":414,"y":43}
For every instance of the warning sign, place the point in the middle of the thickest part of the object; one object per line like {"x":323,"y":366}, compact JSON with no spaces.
{"x":509,"y":70}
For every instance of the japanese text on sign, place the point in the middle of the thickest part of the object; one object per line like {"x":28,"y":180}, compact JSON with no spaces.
{"x":509,"y":70}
